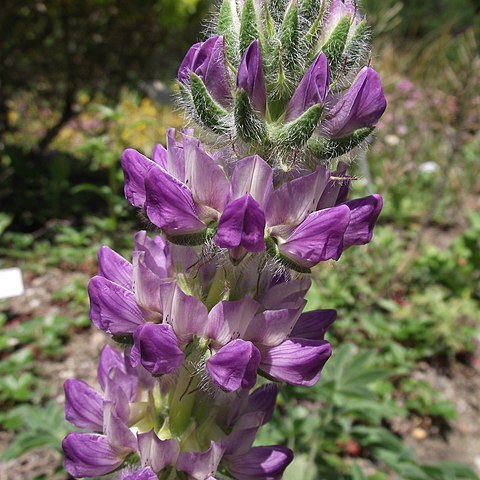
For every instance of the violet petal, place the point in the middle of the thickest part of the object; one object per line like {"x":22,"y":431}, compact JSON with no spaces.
{"x":90,"y":455}
{"x":83,"y":405}
{"x":364,"y":213}
{"x":158,"y":348}
{"x":296,"y":361}
{"x":318,"y":238}
{"x":155,"y":452}
{"x":314,"y":325}
{"x":135,"y":169}
{"x":267,"y":463}
{"x":169,"y":204}
{"x":251,"y":76}
{"x":312,"y":89}
{"x":114,"y":267}
{"x":113,"y":308}
{"x":242,"y":224}
{"x":234,"y":366}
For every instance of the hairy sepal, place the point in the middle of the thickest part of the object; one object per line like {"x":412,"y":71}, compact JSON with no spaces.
{"x":250,"y":127}
{"x":324,"y":149}
{"x":211,"y":115}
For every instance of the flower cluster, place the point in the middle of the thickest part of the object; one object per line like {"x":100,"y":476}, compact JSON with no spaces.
{"x":209,"y":311}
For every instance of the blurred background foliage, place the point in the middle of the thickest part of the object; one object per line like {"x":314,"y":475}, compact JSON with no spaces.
{"x":81,"y":81}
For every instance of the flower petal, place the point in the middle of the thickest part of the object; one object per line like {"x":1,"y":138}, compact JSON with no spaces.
{"x":109,"y":359}
{"x":295,"y":200}
{"x":159,"y":155}
{"x":157,"y":253}
{"x":361,"y":107}
{"x":157,"y":453}
{"x":201,"y":465}
{"x":313,"y":325}
{"x":364,"y":213}
{"x":185,"y":313}
{"x":114,"y":267}
{"x":113,"y":308}
{"x":267,"y":463}
{"x":135,"y":169}
{"x":242,"y":224}
{"x":312,"y":89}
{"x":83,"y":405}
{"x":90,"y":455}
{"x":251,"y":76}
{"x":205,"y":178}
{"x":271,"y":327}
{"x":318,"y":238}
{"x":169,"y":204}
{"x":143,"y":474}
{"x":287,"y":294}
{"x":234,"y":366}
{"x":116,"y":429}
{"x":229,"y":320}
{"x":158,"y":348}
{"x":252,"y":176}
{"x":296,"y":361}
{"x":147,"y":284}
{"x":263,"y":400}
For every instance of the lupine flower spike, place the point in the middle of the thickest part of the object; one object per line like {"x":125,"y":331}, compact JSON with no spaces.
{"x":208,"y":311}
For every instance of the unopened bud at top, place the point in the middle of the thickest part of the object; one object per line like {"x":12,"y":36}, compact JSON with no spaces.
{"x":251,"y":77}
{"x":207,"y":60}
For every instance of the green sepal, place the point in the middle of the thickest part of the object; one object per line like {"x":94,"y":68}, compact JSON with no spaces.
{"x":356,"y":44}
{"x":289,"y":37}
{"x":277,"y":8}
{"x":326,"y":149}
{"x":248,"y":26}
{"x":193,"y":239}
{"x":228,"y":23}
{"x":334,"y":47}
{"x":123,"y":339}
{"x":297,"y":133}
{"x":212,"y":115}
{"x":313,"y":32}
{"x":248,"y":124}
{"x":274,"y":252}
{"x":310,"y":9}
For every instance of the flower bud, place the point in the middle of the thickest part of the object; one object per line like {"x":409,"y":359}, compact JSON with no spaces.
{"x":207,"y":60}
{"x":251,"y":77}
{"x":361,"y":107}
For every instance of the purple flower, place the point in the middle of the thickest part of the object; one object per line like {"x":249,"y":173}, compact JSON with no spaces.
{"x":157,"y":453}
{"x":296,"y":361}
{"x":242,"y":224}
{"x":312,"y":89}
{"x":261,"y":463}
{"x":364,"y":213}
{"x":143,"y":474}
{"x":318,"y":238}
{"x":361,"y":107}
{"x":207,"y":60}
{"x":156,"y":348}
{"x":251,"y":77}
{"x":90,"y":455}
{"x":234,"y":366}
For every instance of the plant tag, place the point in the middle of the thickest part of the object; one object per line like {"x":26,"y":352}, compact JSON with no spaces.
{"x":11,"y":283}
